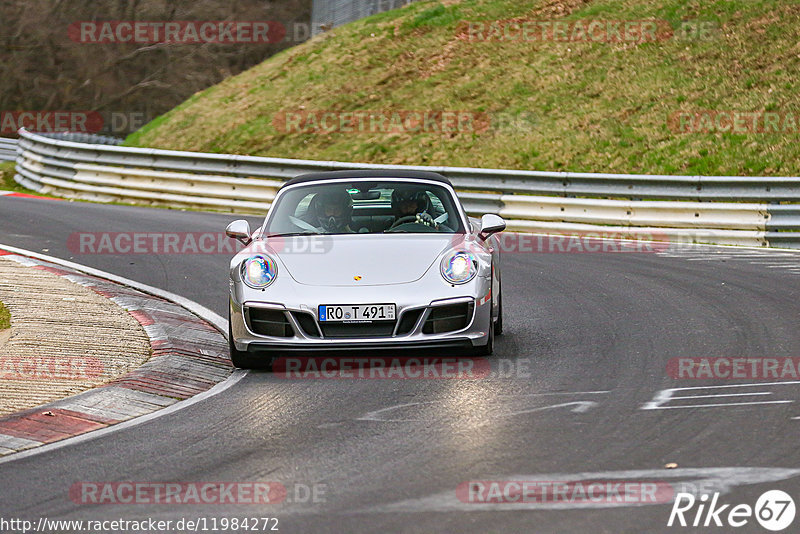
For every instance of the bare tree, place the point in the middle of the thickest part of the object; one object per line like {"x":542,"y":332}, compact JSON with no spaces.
{"x":43,"y":68}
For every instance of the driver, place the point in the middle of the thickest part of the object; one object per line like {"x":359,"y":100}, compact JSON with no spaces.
{"x":410,"y":201}
{"x":332,"y":211}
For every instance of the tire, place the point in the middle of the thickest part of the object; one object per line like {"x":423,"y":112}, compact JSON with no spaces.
{"x":487,"y":349}
{"x":243,"y":359}
{"x":498,"y":323}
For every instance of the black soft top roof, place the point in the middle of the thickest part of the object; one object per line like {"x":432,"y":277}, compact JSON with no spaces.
{"x":336,"y":175}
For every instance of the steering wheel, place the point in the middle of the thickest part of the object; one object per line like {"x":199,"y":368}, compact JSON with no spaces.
{"x":410,"y":223}
{"x":403,"y":220}
{"x":412,"y":227}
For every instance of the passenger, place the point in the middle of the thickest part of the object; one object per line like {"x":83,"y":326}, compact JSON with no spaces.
{"x":332,"y":212}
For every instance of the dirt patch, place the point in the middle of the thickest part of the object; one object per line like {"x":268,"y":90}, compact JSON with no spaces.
{"x":64,"y":338}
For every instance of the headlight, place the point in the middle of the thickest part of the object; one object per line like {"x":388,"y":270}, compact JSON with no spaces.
{"x":459,"y":267}
{"x":259,"y":271}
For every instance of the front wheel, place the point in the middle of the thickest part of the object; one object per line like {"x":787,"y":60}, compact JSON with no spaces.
{"x":487,"y":349}
{"x":498,"y":323}
{"x":243,"y":359}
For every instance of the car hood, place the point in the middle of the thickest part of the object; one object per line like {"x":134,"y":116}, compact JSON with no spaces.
{"x":376,"y":259}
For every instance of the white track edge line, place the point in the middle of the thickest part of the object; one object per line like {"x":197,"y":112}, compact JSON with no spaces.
{"x":197,"y":309}
{"x":237,"y":375}
{"x":201,"y":311}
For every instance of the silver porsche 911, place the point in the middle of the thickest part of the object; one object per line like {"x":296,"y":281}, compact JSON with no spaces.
{"x":365,"y":260}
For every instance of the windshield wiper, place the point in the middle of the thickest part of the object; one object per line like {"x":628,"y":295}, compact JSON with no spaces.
{"x":292,"y":234}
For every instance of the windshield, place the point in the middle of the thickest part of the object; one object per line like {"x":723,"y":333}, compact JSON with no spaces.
{"x":364,"y":207}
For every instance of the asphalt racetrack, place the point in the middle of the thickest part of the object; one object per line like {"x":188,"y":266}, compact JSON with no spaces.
{"x":580,"y":391}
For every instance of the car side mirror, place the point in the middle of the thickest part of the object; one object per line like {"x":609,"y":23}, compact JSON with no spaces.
{"x":491,"y":224}
{"x":239,"y":230}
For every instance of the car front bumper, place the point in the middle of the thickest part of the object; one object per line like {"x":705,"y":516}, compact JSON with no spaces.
{"x":304,"y":303}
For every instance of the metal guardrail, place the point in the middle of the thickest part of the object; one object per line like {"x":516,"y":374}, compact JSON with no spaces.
{"x":8,"y":149}
{"x":80,"y":137}
{"x":703,"y":209}
{"x":327,"y":14}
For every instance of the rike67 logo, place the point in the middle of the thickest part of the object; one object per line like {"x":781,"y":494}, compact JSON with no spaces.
{"x":774,"y":510}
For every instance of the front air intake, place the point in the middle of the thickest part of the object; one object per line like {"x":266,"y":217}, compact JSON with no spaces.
{"x":355,"y":330}
{"x":408,"y":320}
{"x":268,"y":322}
{"x":449,"y":318}
{"x":307,"y":323}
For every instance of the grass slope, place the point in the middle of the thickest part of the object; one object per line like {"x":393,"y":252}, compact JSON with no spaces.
{"x":596,"y":106}
{"x":7,"y":182}
{"x":5,"y":317}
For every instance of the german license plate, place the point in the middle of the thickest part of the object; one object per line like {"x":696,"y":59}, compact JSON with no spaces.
{"x":331,"y":313}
